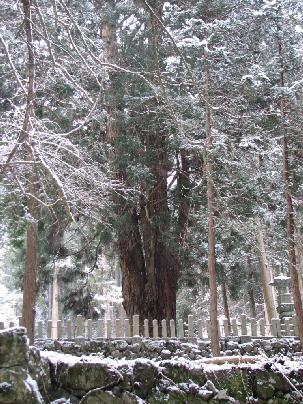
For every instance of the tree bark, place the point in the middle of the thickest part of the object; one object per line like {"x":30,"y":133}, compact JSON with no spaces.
{"x":290,"y":209}
{"x":55,"y":303}
{"x":250,"y":289}
{"x":31,"y":259}
{"x":149,"y":266}
{"x":225,"y":301}
{"x":266,"y":276}
{"x":215,"y":342}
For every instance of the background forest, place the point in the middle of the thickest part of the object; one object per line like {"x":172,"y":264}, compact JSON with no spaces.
{"x":153,"y":146}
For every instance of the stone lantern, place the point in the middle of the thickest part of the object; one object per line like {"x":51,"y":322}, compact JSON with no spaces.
{"x":285,"y":306}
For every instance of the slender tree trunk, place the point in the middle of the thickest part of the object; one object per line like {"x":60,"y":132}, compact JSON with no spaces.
{"x":299,"y":255}
{"x":215,"y":342}
{"x":290,"y":210}
{"x":30,"y":272}
{"x":225,"y":301}
{"x":184,"y":188}
{"x":266,"y":276}
{"x":250,"y":289}
{"x":55,"y":304}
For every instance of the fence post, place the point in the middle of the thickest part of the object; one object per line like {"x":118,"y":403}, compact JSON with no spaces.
{"x":127,"y":328}
{"x":59,"y":329}
{"x":20,"y":322}
{"x":243,"y":324}
{"x":172,"y":327}
{"x":79,"y":326}
{"x":155,"y":329}
{"x":190,"y":326}
{"x":287,"y":323}
{"x":146,"y":329}
{"x":118,"y":328}
{"x":69,"y":329}
{"x":108,"y":328}
{"x":262,"y":327}
{"x":200,"y":328}
{"x":100,"y":328}
{"x":136,"y":323}
{"x":180,"y":329}
{"x":234,"y":327}
{"x":276,"y":327}
{"x":49,"y":329}
{"x":163,"y":329}
{"x":89,"y":329}
{"x":226,"y":328}
{"x":253,"y":326}
{"x":208,"y":328}
{"x":39,"y":329}
{"x":295,"y":325}
{"x":1,"y":325}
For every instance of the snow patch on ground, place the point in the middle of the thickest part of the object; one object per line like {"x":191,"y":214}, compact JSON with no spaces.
{"x":9,"y":302}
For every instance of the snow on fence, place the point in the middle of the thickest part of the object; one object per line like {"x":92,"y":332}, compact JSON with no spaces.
{"x":80,"y":328}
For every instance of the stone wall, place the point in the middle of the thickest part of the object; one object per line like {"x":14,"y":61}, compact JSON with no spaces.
{"x":160,"y":349}
{"x":159,"y":371}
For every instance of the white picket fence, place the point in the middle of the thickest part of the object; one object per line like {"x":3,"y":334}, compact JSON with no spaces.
{"x":79,"y":328}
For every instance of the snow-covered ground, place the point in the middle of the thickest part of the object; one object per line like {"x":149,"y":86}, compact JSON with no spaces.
{"x":9,"y":303}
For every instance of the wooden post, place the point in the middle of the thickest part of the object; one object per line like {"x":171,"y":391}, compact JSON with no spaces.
{"x":20,"y":322}
{"x":49,"y":329}
{"x":208,"y":328}
{"x":262,"y":327}
{"x":69,"y":329}
{"x":287,"y":323}
{"x":39,"y":329}
{"x":163,"y":329}
{"x":89,"y":329}
{"x":253,"y":326}
{"x":190,"y":326}
{"x":155,"y":329}
{"x":180,"y":329}
{"x":172,"y":327}
{"x":295,"y":325}
{"x":59,"y":329}
{"x":118,"y":328}
{"x":146,"y":329}
{"x":226,"y":328}
{"x":276,"y":327}
{"x":243,"y":325}
{"x":79,"y":326}
{"x":234,"y":327}
{"x":108,"y":328}
{"x":100,"y":328}
{"x":127,"y":328}
{"x":200,"y":328}
{"x":136,"y":323}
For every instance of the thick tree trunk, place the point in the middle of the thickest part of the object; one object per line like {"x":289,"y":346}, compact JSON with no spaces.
{"x":161,"y":263}
{"x":215,"y":342}
{"x":290,"y":211}
{"x":132,"y":266}
{"x":148,"y":265}
{"x":266,"y":276}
